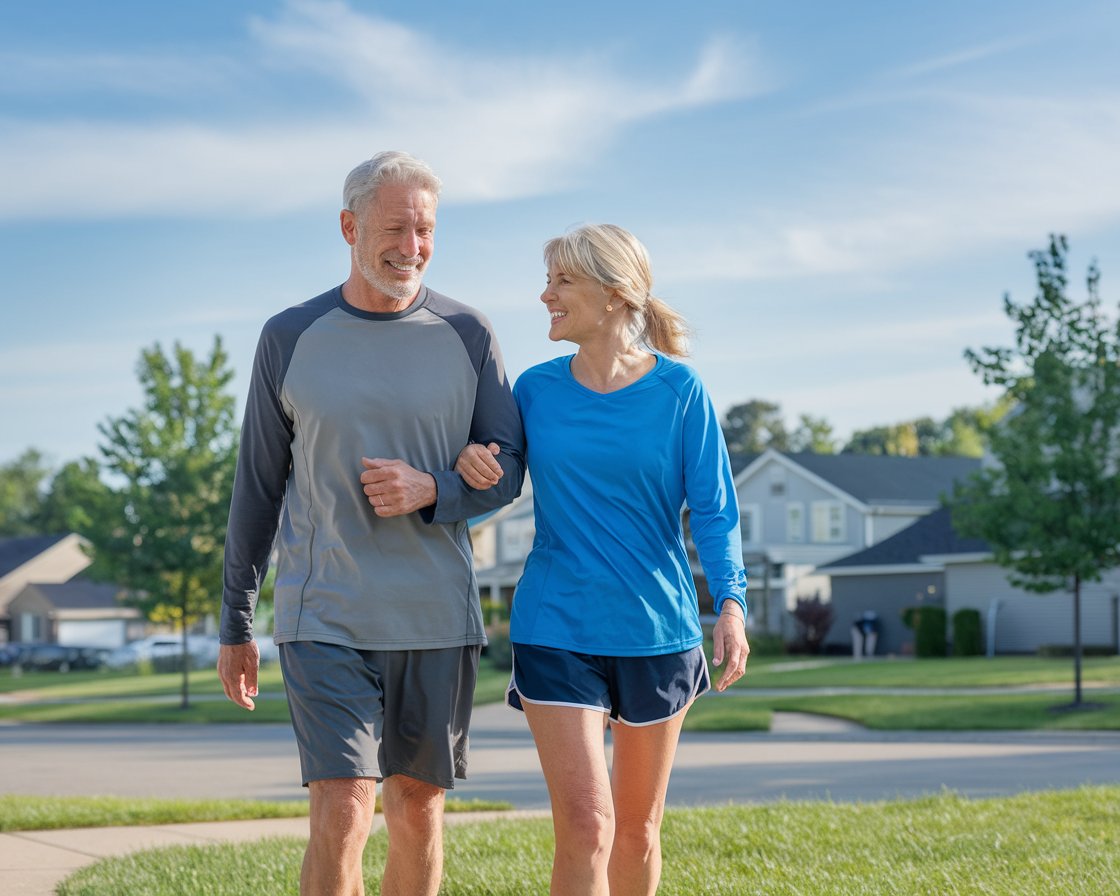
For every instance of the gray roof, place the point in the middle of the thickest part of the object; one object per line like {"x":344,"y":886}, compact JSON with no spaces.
{"x":80,"y":594}
{"x":932,"y":534}
{"x":885,"y":479}
{"x":14,"y":552}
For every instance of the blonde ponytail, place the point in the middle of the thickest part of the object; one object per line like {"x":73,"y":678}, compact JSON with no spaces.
{"x":665,"y":330}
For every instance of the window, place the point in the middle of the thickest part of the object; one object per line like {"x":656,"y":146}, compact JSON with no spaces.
{"x":795,"y":522}
{"x":828,"y":522}
{"x":750,"y":520}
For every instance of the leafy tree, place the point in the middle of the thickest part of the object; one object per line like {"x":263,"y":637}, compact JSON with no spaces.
{"x":171,"y":465}
{"x":813,"y":434}
{"x":21,"y":484}
{"x":1050,"y":507}
{"x":897,"y":439}
{"x":754,"y":426}
{"x":75,"y":500}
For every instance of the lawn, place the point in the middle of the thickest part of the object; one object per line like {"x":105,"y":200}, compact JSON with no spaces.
{"x":45,"y":813}
{"x":1038,"y":843}
{"x":101,"y":697}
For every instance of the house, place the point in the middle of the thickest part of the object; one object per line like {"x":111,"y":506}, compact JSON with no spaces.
{"x":803,"y":511}
{"x":930,"y":563}
{"x":36,"y":558}
{"x":798,"y":511}
{"x":76,"y":612}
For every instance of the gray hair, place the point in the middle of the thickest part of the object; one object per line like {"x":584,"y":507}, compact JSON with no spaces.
{"x":386,"y":168}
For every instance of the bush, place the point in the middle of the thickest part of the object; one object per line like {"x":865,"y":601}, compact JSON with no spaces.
{"x":814,"y":618}
{"x":766,"y":644}
{"x":929,"y":632}
{"x":967,"y":637}
{"x":499,"y":650}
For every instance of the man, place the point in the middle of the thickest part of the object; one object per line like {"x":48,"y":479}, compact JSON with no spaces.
{"x":359,"y":403}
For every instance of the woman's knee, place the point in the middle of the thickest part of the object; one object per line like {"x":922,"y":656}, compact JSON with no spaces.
{"x":637,"y":835}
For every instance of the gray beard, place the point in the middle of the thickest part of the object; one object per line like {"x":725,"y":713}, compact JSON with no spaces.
{"x":394,"y":289}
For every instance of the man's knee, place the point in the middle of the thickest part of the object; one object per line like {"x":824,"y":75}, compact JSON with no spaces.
{"x":342,"y":806}
{"x":414,"y":804}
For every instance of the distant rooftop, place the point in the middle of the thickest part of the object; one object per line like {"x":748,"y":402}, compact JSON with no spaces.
{"x":932,"y":534}
{"x":14,"y":552}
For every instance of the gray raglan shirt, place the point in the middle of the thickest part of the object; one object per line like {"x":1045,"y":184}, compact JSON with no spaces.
{"x":330,"y":384}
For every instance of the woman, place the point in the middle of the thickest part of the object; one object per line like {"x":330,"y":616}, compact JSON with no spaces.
{"x":605,"y":624}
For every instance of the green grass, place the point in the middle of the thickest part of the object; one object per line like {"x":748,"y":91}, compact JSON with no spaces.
{"x":46,"y":813}
{"x":962,"y":672}
{"x":1038,"y":843}
{"x":918,"y":713}
{"x":130,"y":698}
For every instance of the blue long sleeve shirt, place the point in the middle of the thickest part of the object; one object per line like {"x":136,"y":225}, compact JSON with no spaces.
{"x":608,"y":573}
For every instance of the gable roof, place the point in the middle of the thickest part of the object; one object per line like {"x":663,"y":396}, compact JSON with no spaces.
{"x":80,"y":594}
{"x":932,"y":534}
{"x":881,"y":479}
{"x":15,"y":552}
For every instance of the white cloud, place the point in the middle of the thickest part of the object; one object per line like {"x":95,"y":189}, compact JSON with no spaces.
{"x":494,"y":128}
{"x":981,"y":170}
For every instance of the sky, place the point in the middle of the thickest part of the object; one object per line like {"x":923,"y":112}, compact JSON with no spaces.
{"x":836,"y":196}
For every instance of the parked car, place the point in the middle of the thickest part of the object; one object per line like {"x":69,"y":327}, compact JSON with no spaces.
{"x":165,"y":650}
{"x":40,"y":656}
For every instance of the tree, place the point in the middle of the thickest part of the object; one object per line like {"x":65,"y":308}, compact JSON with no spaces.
{"x":21,"y":484}
{"x":754,"y":426}
{"x":75,"y":500}
{"x":171,"y":465}
{"x":813,"y":434}
{"x":1050,"y":506}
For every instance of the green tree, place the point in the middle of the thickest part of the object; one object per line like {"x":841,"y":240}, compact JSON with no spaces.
{"x":21,"y":494}
{"x":75,"y":500}
{"x":1050,"y":506}
{"x":813,"y":434}
{"x":170,"y":465}
{"x":754,"y":426}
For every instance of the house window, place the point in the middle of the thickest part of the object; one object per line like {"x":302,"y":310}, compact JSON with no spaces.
{"x":795,"y":522}
{"x":750,"y":520}
{"x":828,"y":522}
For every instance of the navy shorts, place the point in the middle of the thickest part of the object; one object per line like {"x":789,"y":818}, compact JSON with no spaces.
{"x":633,"y":690}
{"x":376,"y":713}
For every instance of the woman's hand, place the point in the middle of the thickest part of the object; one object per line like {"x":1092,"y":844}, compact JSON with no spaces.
{"x":730,"y":643}
{"x":477,"y":466}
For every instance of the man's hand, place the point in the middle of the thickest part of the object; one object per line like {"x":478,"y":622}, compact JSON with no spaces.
{"x":477,"y":466}
{"x":237,"y":668}
{"x":729,"y":642}
{"x":393,"y":488}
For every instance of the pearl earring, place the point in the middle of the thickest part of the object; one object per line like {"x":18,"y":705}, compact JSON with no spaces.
{"x":610,"y":307}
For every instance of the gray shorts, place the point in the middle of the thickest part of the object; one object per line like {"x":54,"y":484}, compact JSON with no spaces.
{"x":377,"y":713}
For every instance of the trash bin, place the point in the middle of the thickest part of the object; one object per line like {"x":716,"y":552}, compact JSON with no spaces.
{"x":865,"y":634}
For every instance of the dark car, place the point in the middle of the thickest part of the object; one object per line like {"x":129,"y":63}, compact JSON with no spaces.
{"x":42,"y":657}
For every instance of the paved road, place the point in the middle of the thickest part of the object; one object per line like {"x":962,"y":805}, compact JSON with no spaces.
{"x":796,"y":761}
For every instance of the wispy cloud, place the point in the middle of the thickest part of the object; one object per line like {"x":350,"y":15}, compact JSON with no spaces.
{"x":494,"y":128}
{"x":966,"y":56}
{"x":979,"y":170}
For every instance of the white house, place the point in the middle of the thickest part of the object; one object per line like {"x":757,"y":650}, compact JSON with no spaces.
{"x":35,"y":558}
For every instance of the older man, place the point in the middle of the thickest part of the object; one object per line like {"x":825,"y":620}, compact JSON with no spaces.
{"x":359,"y":402}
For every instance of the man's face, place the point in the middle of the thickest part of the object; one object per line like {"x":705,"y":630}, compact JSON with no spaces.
{"x":394,"y":238}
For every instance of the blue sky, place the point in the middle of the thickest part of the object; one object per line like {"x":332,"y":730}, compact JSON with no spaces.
{"x":836,"y":195}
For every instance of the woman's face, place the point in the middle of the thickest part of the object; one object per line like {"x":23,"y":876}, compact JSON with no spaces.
{"x":576,"y":306}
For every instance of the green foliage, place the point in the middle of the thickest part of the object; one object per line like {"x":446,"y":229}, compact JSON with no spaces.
{"x":766,"y":644}
{"x":929,"y":632}
{"x":1050,"y":507}
{"x":499,"y":649}
{"x":813,"y":434}
{"x":968,"y":638}
{"x":814,"y":618}
{"x":21,"y":484}
{"x":754,"y":426}
{"x":171,"y":465}
{"x":963,"y":433}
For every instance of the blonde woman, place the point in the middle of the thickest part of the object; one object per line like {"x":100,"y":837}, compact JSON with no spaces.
{"x":605,"y":623}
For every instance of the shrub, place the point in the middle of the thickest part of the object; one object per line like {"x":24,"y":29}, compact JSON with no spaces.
{"x":929,"y":632}
{"x":499,"y":650}
{"x":814,"y":619}
{"x":766,"y":644}
{"x":967,"y":637}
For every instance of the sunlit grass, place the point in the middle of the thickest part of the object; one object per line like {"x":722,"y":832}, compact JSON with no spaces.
{"x":1038,"y":843}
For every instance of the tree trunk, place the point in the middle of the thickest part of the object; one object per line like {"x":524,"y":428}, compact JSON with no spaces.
{"x":1077,"y":640}
{"x":185,"y":701}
